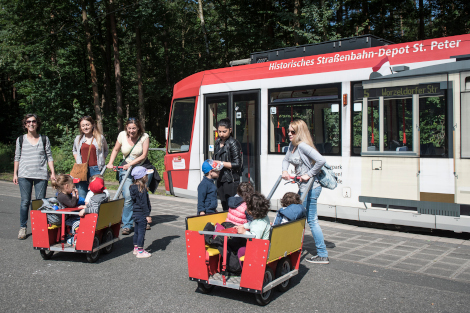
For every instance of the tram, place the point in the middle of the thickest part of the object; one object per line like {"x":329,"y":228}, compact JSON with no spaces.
{"x":393,"y":121}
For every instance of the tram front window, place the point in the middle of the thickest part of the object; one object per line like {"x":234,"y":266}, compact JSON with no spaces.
{"x":181,"y":125}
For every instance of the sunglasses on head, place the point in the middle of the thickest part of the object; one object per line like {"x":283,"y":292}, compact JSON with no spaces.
{"x":130,"y":119}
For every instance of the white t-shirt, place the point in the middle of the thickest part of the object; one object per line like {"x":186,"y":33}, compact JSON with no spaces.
{"x":126,"y":147}
{"x":91,"y":194}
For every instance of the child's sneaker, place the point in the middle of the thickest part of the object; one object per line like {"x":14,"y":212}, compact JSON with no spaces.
{"x":136,"y":250}
{"x":143,"y":254}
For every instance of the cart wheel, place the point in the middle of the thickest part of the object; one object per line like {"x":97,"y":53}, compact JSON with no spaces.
{"x":265,"y":298}
{"x":46,"y":254}
{"x":205,"y":288}
{"x":108,"y":236}
{"x":284,"y":266}
{"x":94,"y":256}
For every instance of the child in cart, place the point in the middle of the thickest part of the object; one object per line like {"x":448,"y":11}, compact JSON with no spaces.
{"x":257,"y":207}
{"x":90,"y":193}
{"x":67,"y":195}
{"x":141,"y":209}
{"x":292,"y":209}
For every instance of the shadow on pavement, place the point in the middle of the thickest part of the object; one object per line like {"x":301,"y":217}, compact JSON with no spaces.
{"x":159,"y":219}
{"x":161,"y":244}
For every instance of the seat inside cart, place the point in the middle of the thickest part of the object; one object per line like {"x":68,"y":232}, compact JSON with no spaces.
{"x":197,"y":223}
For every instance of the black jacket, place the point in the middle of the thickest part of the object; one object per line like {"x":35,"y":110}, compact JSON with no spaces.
{"x":230,"y":152}
{"x":141,"y":201}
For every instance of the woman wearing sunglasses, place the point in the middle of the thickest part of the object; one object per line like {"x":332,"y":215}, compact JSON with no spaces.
{"x":134,"y":144}
{"x":32,"y":155}
{"x":90,"y":138}
{"x":307,"y":162}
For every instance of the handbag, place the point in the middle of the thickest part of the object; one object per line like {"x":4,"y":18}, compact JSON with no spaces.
{"x":123,"y":161}
{"x":80,"y":171}
{"x":327,"y":178}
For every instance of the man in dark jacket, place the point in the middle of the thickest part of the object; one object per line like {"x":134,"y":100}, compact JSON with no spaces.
{"x":207,"y":191}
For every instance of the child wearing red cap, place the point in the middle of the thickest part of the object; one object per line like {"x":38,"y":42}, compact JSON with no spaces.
{"x":90,"y":193}
{"x":97,"y":187}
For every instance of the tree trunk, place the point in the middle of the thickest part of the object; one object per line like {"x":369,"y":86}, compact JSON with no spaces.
{"x":139,"y":76}
{"x":96,"y":98}
{"x":203,"y":26}
{"x":296,"y":21}
{"x":421,"y":21}
{"x":106,"y":56}
{"x":117,"y":67}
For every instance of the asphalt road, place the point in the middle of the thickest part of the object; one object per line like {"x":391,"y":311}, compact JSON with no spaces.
{"x":121,"y":282}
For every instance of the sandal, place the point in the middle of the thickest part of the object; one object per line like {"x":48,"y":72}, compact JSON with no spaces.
{"x":126,"y":231}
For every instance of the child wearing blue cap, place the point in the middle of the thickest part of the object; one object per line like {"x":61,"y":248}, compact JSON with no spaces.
{"x":207,"y":191}
{"x":141,"y":209}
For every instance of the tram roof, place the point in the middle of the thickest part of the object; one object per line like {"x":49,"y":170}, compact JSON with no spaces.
{"x":452,"y":67}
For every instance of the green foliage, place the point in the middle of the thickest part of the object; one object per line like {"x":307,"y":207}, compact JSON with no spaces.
{"x":7,"y":155}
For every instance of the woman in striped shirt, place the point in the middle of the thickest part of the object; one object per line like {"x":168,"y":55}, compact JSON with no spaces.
{"x":32,"y":154}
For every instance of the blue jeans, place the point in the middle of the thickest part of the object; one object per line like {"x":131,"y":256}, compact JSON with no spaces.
{"x":127,"y":219}
{"x":312,"y":218}
{"x":139,"y":230}
{"x":83,"y":185}
{"x":26,"y":189}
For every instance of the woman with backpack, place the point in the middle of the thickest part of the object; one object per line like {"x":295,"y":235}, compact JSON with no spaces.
{"x":32,"y":155}
{"x":307,"y":162}
{"x":227,"y":150}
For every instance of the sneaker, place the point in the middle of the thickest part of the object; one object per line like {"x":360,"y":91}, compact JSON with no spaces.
{"x":136,"y":250}
{"x":148,"y":227}
{"x":318,"y":260}
{"x":22,"y":233}
{"x":126,"y":231}
{"x":143,"y":254}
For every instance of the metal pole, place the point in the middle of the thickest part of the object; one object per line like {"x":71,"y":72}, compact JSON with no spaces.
{"x":271,"y":193}
{"x":118,"y":192}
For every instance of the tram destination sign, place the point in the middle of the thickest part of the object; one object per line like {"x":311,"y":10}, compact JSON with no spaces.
{"x":398,"y":92}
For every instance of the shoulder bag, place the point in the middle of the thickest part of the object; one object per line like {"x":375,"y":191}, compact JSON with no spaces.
{"x":80,"y":171}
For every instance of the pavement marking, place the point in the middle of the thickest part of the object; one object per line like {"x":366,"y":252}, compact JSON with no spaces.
{"x":440,"y":257}
{"x":382,"y":252}
{"x":407,"y":256}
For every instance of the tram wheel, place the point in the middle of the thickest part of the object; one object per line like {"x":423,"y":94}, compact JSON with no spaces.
{"x":265,"y":298}
{"x":284,"y":266}
{"x":94,"y":256}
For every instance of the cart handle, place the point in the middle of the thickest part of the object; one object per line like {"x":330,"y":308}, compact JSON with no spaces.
{"x":60,"y":212}
{"x":278,"y":181}
{"x":202,"y":232}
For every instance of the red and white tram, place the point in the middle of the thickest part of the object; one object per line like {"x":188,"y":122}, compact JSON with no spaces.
{"x":392,"y":119}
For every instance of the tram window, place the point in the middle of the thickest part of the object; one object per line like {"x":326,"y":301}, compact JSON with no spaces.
{"x":373,"y":135}
{"x":217,"y":109}
{"x":181,"y":125}
{"x":356,"y":128}
{"x":322,"y":119}
{"x":433,"y":126}
{"x":398,"y":125}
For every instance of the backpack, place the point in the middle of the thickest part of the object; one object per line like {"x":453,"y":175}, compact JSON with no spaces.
{"x":327,"y":178}
{"x":21,"y":139}
{"x":47,"y":205}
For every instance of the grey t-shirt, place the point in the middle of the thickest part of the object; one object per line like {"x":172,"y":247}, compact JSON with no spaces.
{"x":32,"y":158}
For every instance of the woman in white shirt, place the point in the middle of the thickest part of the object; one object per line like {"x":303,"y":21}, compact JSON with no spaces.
{"x":134,"y":145}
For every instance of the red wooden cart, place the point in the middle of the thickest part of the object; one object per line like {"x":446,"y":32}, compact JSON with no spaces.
{"x":97,"y":232}
{"x":267,"y":263}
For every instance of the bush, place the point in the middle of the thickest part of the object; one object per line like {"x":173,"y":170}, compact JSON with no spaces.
{"x":7,"y":157}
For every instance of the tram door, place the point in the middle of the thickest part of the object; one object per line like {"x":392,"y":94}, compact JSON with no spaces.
{"x":242,"y":108}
